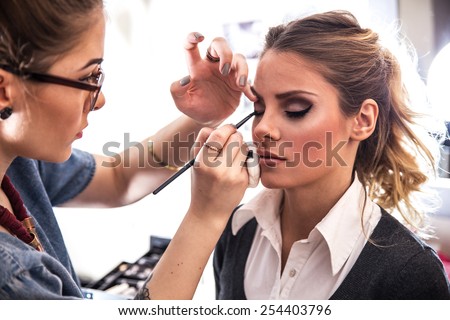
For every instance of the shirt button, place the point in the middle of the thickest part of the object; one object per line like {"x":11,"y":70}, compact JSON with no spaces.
{"x":292,"y":273}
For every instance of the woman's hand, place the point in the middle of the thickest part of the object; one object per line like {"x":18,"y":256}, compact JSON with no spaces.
{"x":212,"y":90}
{"x":220,"y":177}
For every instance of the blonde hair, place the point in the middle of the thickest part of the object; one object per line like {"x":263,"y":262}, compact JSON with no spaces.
{"x":390,"y":162}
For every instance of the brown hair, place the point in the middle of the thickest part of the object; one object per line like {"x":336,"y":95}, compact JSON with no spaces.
{"x":33,"y":34}
{"x":352,"y":59}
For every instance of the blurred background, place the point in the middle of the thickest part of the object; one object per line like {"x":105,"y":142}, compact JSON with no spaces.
{"x":144,"y":55}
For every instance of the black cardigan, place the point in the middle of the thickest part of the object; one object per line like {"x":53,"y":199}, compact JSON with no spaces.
{"x":398,"y":266}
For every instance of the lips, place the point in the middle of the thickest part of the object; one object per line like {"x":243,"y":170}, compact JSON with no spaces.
{"x":270,"y":159}
{"x":79,"y":135}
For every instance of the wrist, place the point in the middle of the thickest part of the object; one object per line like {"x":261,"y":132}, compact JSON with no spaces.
{"x":157,"y":159}
{"x":211,"y":221}
{"x":202,"y":123}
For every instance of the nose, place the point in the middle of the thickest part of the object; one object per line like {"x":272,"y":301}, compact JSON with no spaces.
{"x":266,"y":128}
{"x":101,"y":100}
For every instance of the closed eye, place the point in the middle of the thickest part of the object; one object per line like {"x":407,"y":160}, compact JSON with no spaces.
{"x":298,"y":114}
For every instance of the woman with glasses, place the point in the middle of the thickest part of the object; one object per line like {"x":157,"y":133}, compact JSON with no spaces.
{"x":50,"y":80}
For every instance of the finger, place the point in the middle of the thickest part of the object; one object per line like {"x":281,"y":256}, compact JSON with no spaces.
{"x":180,"y":87}
{"x":228,"y":152}
{"x":221,"y":135}
{"x":215,"y":142}
{"x":235,"y":156}
{"x":240,"y":66}
{"x":201,"y":139}
{"x":234,"y":147}
{"x":247,"y":90}
{"x":191,"y":47}
{"x":219,"y":48}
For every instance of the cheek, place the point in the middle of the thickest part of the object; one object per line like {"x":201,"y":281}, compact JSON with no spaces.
{"x":314,"y":143}
{"x":61,"y":118}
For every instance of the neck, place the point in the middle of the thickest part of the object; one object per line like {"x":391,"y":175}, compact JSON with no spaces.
{"x":304,"y":208}
{"x":5,"y":162}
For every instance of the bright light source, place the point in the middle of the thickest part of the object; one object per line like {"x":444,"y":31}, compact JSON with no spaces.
{"x":438,"y":84}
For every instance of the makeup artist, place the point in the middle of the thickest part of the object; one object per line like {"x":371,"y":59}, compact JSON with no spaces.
{"x":50,"y":80}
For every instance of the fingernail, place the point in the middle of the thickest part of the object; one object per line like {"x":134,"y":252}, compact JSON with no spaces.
{"x":226,"y":69}
{"x":185,"y":81}
{"x":242,"y":81}
{"x":198,"y":35}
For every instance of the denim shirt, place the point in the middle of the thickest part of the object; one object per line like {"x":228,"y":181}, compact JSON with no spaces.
{"x":24,"y":272}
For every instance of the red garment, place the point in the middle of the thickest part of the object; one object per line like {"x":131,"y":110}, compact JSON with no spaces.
{"x":446,"y":261}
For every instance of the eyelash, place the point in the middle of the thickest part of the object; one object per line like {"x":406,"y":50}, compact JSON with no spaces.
{"x":290,"y":114}
{"x":92,"y":78}
{"x":298,"y":114}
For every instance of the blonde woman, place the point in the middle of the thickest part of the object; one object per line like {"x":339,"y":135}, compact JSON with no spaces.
{"x":337,"y":156}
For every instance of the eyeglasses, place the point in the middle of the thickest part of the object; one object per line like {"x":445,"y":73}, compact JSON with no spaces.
{"x":94,"y":87}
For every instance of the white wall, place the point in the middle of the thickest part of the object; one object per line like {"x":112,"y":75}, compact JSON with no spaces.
{"x":143,"y":56}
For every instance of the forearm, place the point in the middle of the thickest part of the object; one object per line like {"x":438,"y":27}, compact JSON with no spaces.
{"x":178,"y":273}
{"x":172,"y":144}
{"x":124,"y":178}
{"x":162,"y":153}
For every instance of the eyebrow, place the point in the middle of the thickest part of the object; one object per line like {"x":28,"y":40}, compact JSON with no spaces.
{"x":92,"y":62}
{"x":284,"y":95}
{"x":287,"y":94}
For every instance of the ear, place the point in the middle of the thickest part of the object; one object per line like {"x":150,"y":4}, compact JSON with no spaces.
{"x":5,"y":88}
{"x":365,"y":121}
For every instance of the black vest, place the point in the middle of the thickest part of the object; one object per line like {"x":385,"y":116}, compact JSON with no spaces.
{"x":395,"y":265}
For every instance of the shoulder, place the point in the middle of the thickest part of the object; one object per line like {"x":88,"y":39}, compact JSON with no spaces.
{"x":391,"y":233}
{"x":59,"y":182}
{"x":411,"y":267}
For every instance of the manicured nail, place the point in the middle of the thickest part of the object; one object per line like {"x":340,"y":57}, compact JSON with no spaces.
{"x":185,"y":81}
{"x":198,"y":36}
{"x":242,"y":81}
{"x":226,"y":69}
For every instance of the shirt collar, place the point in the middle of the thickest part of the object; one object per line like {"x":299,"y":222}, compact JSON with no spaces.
{"x":264,"y":207}
{"x":341,"y":228}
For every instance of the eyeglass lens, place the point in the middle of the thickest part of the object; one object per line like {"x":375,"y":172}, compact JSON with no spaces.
{"x":94,"y":94}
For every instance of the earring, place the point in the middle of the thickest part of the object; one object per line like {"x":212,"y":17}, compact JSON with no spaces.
{"x":5,"y":113}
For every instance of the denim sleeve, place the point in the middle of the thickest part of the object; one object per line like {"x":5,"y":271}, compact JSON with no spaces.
{"x":64,"y":181}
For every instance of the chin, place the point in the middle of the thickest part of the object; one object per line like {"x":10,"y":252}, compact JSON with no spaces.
{"x":271,"y":183}
{"x":63,"y":156}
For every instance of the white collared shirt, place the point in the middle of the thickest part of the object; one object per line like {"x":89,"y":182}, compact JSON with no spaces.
{"x":316,"y":266}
